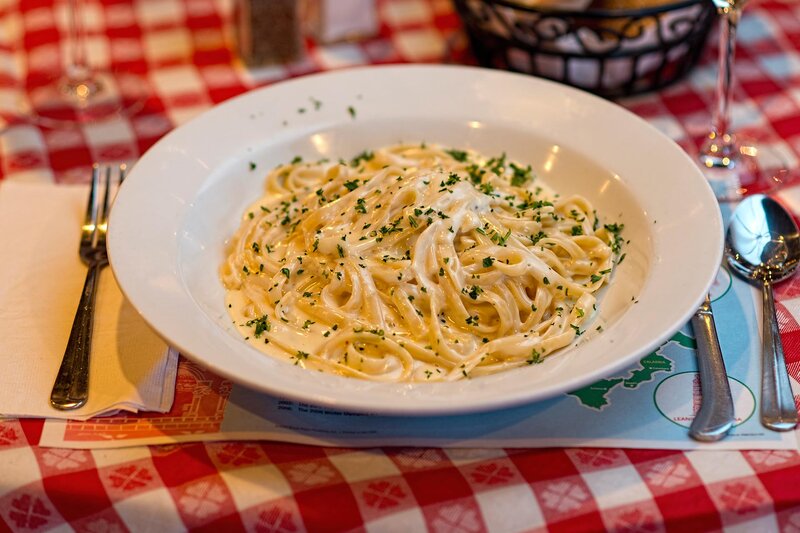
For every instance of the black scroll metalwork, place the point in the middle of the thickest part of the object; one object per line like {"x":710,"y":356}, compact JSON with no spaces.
{"x":612,"y":53}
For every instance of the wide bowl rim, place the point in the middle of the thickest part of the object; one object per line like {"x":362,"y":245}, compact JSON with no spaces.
{"x":146,"y":302}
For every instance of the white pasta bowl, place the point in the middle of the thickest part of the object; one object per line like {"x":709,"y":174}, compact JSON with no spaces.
{"x":184,"y":199}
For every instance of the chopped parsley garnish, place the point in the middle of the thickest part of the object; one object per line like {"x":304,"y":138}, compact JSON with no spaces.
{"x":351,"y":185}
{"x":302,"y":355}
{"x":361,"y":206}
{"x":364,"y":156}
{"x":256,"y":248}
{"x":452,"y":179}
{"x":307,"y":323}
{"x":352,"y":111}
{"x":535,"y":357}
{"x":252,"y":165}
{"x":497,"y":164}
{"x":487,"y":261}
{"x":577,"y":230}
{"x":340,"y":250}
{"x":475,"y":173}
{"x":458,"y":155}
{"x":286,"y":272}
{"x":521,"y":175}
{"x":261,"y":324}
{"x":538,"y":237}
{"x":297,"y":159}
{"x":615,"y":230}
{"x":546,"y":281}
{"x":502,"y":240}
{"x":538,"y":204}
{"x":474,"y":292}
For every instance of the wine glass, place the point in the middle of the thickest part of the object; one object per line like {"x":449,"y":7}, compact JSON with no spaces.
{"x":80,"y":93}
{"x":730,"y":163}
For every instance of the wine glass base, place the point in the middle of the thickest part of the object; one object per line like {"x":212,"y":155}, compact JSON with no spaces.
{"x":731,"y":185}
{"x":736,"y":167}
{"x":719,"y":151}
{"x":59,"y":101}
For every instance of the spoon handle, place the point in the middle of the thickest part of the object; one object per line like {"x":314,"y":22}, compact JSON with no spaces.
{"x":715,"y":417}
{"x":778,"y":411}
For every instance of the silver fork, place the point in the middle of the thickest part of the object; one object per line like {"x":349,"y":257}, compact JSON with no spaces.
{"x":71,"y":388}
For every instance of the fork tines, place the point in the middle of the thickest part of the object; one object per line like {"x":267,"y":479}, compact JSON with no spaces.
{"x":97,"y":210}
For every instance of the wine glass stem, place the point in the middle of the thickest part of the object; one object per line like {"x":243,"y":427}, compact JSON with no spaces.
{"x":727,"y":51}
{"x":78,"y":66}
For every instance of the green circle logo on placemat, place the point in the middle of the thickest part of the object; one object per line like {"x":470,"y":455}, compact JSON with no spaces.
{"x":722,"y":284}
{"x":678,"y":398}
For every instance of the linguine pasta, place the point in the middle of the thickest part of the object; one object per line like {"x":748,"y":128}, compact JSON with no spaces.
{"x":416,"y":263}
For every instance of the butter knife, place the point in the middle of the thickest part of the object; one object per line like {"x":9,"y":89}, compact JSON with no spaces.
{"x":715,"y":417}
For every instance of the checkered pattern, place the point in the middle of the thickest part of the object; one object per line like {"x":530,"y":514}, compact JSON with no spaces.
{"x":181,"y":49}
{"x":279,"y":487}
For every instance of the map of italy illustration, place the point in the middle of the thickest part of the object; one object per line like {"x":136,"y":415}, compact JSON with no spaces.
{"x":596,"y":395}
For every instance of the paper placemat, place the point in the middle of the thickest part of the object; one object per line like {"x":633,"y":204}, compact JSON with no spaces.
{"x":651,"y":405}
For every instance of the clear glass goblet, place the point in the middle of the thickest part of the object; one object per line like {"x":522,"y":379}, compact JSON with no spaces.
{"x":729,"y":161}
{"x":80,"y":93}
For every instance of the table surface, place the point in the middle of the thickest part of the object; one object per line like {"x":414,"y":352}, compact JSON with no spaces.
{"x":182,"y":49}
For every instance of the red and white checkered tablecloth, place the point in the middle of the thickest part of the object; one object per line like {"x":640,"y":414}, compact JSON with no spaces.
{"x":182,"y":49}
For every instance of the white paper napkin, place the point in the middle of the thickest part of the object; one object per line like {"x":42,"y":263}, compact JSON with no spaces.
{"x":41,"y":278}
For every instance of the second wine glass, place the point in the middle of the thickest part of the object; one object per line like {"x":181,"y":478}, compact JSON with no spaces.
{"x":729,"y":161}
{"x":80,"y":93}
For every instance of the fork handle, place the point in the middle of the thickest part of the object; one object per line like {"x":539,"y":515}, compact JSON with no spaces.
{"x":71,"y":389}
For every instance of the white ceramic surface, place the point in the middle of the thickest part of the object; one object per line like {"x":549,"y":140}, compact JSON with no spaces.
{"x":186,"y":196}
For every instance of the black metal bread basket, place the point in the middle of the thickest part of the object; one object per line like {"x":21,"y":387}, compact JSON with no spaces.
{"x":611,"y":52}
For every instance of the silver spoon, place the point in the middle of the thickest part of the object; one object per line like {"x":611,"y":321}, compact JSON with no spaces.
{"x":763,"y":246}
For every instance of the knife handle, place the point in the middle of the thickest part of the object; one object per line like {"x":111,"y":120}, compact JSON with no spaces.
{"x":715,"y":417}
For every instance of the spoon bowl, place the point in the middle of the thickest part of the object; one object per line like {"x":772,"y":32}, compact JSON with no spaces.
{"x":763,"y":246}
